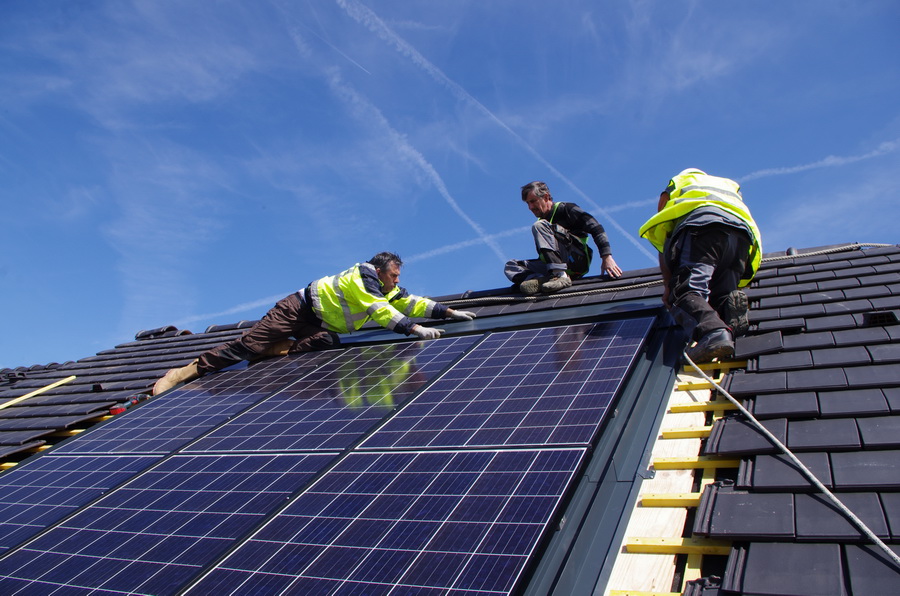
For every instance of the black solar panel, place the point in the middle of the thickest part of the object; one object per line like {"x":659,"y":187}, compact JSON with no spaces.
{"x":521,"y":388}
{"x":172,"y":420}
{"x":334,"y":406}
{"x":45,"y":489}
{"x":483,"y":437}
{"x":436,"y":522}
{"x":159,"y":530}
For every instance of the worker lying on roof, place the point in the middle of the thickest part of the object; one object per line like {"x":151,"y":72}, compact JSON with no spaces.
{"x":709,"y":246}
{"x":315,"y":315}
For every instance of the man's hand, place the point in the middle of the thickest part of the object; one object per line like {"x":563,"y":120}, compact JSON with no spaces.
{"x":608,"y":265}
{"x":460,"y":315}
{"x":427,"y":332}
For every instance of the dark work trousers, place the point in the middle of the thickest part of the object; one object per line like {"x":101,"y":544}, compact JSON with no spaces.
{"x":560,"y":251}
{"x":290,"y":317}
{"x":706,"y":263}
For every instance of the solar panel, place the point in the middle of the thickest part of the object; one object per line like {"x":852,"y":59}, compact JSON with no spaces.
{"x":334,"y":406}
{"x":45,"y":489}
{"x":155,"y":533}
{"x":170,"y":421}
{"x":532,"y":387}
{"x":435,"y":522}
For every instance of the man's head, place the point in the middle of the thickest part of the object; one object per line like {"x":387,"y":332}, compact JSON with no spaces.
{"x":387,"y":265}
{"x":538,"y":198}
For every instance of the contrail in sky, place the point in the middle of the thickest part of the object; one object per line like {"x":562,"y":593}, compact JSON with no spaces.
{"x":370,"y":113}
{"x":828,"y":162}
{"x":366,"y":17}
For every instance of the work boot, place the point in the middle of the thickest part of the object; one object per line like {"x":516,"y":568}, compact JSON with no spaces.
{"x":175,"y":376}
{"x":734,"y":312}
{"x":532,"y":286}
{"x":718,"y":343}
{"x":560,"y":282}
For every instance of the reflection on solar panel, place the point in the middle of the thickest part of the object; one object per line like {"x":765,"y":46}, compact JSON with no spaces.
{"x":532,"y":387}
{"x":333,"y":407}
{"x":453,"y":493}
{"x":46,"y":489}
{"x":158,"y":531}
{"x":423,"y":522}
{"x":174,"y":419}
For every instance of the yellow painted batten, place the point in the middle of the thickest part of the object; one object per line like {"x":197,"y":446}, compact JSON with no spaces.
{"x":707,"y":406}
{"x":697,"y":432}
{"x":708,"y":366}
{"x":634,"y":593}
{"x":12,"y":402}
{"x":694,"y":386}
{"x":677,"y":546}
{"x":698,"y":462}
{"x":671,"y":500}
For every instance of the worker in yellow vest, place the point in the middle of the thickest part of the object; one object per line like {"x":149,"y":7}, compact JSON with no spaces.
{"x":310,"y":319}
{"x":561,"y":239}
{"x":709,"y":247}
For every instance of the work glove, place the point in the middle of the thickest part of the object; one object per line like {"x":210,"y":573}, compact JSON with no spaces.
{"x":427,"y":332}
{"x":460,"y":315}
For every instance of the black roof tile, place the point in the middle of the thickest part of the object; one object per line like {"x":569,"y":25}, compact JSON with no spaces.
{"x":815,"y":435}
{"x":870,"y":570}
{"x":819,"y":519}
{"x":844,"y":356}
{"x":785,"y":325}
{"x":892,"y":395}
{"x":733,"y":435}
{"x":819,"y":297}
{"x":853,"y":402}
{"x":875,"y":470}
{"x":882,"y":432}
{"x":887,"y":375}
{"x":861,"y":335}
{"x":800,"y":341}
{"x":777,"y":472}
{"x":822,"y":378}
{"x":740,"y":383}
{"x":784,"y":361}
{"x":738,"y":515}
{"x":778,"y":568}
{"x":803,"y":404}
{"x":754,"y":345}
{"x":844,"y":321}
{"x":890,"y":501}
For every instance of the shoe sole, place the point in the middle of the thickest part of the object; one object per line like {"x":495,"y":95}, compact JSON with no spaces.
{"x":721,"y":351}
{"x":530,"y":287}
{"x":735,"y":312}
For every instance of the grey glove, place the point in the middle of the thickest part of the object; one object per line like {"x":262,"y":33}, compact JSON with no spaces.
{"x":427,"y":332}
{"x":460,"y":315}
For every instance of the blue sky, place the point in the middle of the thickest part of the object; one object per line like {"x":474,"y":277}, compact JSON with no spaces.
{"x":191,"y":162}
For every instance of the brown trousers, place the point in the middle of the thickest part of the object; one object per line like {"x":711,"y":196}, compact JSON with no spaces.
{"x":289,"y":318}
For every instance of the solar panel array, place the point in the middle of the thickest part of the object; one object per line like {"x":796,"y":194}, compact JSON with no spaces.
{"x":410,"y":466}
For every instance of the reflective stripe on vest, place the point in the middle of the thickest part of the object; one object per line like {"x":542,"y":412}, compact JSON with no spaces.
{"x":696,"y":190}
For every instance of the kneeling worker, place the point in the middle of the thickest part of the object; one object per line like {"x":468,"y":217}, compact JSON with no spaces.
{"x":709,"y":247}
{"x":561,"y":239}
{"x":314,"y":316}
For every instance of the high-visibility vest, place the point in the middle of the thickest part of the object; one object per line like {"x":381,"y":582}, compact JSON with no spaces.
{"x":344,"y":304}
{"x":692,"y":189}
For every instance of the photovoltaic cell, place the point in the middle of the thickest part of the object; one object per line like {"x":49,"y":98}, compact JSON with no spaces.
{"x":403,"y":522}
{"x":44,"y":490}
{"x":333,"y":407}
{"x":521,"y":388}
{"x":158,"y":531}
{"x":170,"y":421}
